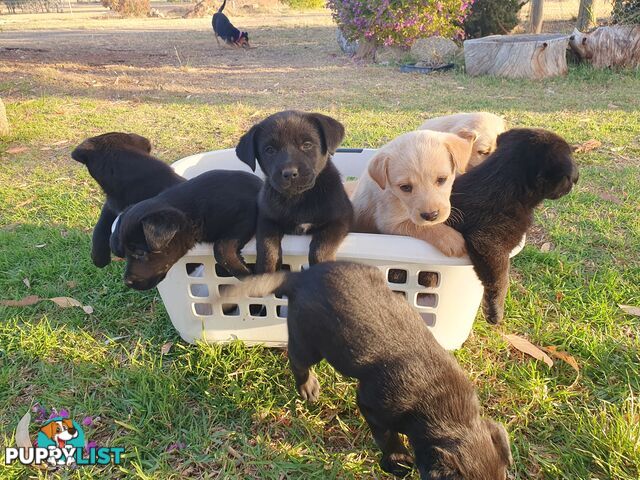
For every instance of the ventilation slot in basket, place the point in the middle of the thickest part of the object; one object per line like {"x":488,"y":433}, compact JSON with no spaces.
{"x":199,"y":290}
{"x":221,"y":272}
{"x":281,"y":311}
{"x":230,"y":310}
{"x":401,"y":293}
{"x":426,"y":300}
{"x":429,"y":279}
{"x":195,"y":270}
{"x":396,"y":275}
{"x":429,"y":318}
{"x":203,"y":309}
{"x":257,"y":310}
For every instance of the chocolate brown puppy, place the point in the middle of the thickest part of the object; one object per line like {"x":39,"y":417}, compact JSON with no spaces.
{"x":303,"y":192}
{"x":218,"y":207}
{"x":407,"y":383}
{"x":495,"y":202}
{"x":122,"y":165}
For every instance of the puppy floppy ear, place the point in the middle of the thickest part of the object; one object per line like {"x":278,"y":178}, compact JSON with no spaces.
{"x":161,"y":226}
{"x":82,"y":153}
{"x":500,"y":439}
{"x":460,"y":146}
{"x":246,"y":148}
{"x":331,"y":131}
{"x":138,"y":141}
{"x":49,"y":429}
{"x":377,"y":169}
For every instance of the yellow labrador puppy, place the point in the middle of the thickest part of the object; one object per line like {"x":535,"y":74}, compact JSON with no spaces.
{"x":406,"y":188}
{"x":487,"y":127}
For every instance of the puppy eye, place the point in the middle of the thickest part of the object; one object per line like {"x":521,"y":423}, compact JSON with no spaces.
{"x":306,"y":146}
{"x":406,"y":188}
{"x":441,"y":181}
{"x":484,"y":152}
{"x":269,"y":150}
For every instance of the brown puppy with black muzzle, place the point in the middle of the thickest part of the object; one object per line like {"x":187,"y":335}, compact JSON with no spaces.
{"x":496,"y":199}
{"x":302,"y":192}
{"x":407,"y":383}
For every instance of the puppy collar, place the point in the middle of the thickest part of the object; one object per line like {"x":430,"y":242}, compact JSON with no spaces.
{"x":114,"y":225}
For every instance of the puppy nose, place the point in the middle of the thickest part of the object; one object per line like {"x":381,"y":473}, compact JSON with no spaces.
{"x":430,"y":216}
{"x":289,"y":173}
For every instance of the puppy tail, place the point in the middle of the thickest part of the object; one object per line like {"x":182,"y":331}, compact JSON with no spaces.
{"x":262,"y":285}
{"x":222,"y":6}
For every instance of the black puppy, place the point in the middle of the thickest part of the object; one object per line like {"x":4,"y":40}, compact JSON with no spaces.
{"x":495,"y":203}
{"x":219,"y":207}
{"x":123,"y":167}
{"x":303,"y":192}
{"x":407,"y":383}
{"x":223,"y":28}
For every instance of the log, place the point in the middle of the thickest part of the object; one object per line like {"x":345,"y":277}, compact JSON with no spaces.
{"x":4,"y":123}
{"x":517,"y":56}
{"x":615,"y":46}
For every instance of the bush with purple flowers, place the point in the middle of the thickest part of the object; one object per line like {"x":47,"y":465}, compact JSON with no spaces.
{"x":399,"y":23}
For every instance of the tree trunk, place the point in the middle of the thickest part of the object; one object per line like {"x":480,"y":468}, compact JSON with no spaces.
{"x":366,"y":50}
{"x":4,"y":123}
{"x":586,"y":15}
{"x":535,"y":16}
{"x":517,"y":56}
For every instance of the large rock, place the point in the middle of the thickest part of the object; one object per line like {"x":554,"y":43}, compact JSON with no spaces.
{"x":386,"y":55}
{"x":433,"y":51}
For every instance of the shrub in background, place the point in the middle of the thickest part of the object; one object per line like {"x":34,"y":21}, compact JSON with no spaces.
{"x":626,"y":11}
{"x":305,"y":4}
{"x":398,"y":23}
{"x":129,"y":8}
{"x":491,"y":17}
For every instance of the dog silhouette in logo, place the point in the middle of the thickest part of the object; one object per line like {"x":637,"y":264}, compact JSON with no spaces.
{"x":60,"y":431}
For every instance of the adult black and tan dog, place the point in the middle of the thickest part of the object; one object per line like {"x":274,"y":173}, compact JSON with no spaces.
{"x":303,"y":192}
{"x":407,"y":383}
{"x":495,"y":202}
{"x":218,"y":207}
{"x":224,"y":29}
{"x":121,"y":163}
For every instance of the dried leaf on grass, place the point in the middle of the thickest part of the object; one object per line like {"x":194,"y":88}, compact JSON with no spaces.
{"x":165,"y":348}
{"x":14,"y":150}
{"x":66,"y":302}
{"x":588,"y":146}
{"x":564,"y":356}
{"x":62,"y":302}
{"x":525,"y":346}
{"x":545,"y":247}
{"x":22,"y":432}
{"x":26,"y":282}
{"x":630,"y":309}
{"x":23,"y":302}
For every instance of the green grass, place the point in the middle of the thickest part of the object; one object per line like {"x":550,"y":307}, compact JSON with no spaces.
{"x":234,"y":407}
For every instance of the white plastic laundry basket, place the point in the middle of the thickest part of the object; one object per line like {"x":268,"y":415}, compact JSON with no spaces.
{"x":445,"y":291}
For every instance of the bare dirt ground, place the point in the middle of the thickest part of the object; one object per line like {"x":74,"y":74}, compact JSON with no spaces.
{"x":92,"y":53}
